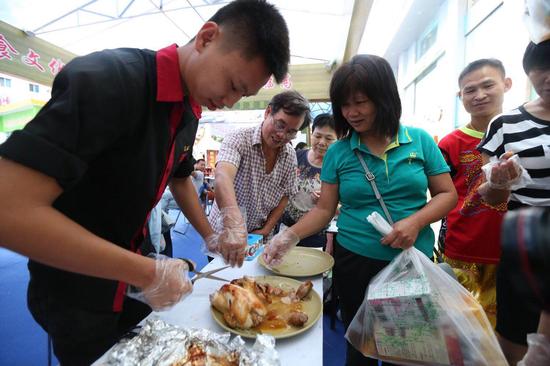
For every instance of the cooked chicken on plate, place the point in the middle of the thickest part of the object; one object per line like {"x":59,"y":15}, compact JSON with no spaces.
{"x":246,"y":303}
{"x":240,"y":307}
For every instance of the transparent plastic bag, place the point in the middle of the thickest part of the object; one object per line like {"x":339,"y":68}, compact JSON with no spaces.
{"x":414,"y":313}
{"x":537,"y":19}
{"x":538,"y":353}
{"x":379,"y":223}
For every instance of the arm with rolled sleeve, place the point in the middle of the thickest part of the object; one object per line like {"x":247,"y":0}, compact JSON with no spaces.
{"x":50,"y":155}
{"x":227,"y":165}
{"x":233,"y":235}
{"x":273,"y":218}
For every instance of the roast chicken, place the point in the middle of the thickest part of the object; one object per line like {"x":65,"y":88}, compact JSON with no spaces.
{"x":240,"y":307}
{"x":247,"y":304}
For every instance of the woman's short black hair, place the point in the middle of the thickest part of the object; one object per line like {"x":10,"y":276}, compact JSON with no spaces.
{"x":372,"y":76}
{"x":537,"y":56}
{"x":323,"y":120}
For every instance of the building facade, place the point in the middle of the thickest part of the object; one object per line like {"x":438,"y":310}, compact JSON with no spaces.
{"x":436,"y":39}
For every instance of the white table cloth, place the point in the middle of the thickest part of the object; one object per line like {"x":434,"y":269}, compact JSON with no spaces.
{"x":194,"y":312}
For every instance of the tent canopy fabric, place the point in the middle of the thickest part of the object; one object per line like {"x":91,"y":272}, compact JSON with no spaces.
{"x":319,"y":28}
{"x":323,"y":33}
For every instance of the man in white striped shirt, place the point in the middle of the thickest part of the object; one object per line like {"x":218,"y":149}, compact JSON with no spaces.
{"x":524,"y":131}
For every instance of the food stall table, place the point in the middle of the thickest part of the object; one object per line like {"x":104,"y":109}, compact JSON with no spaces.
{"x":194,"y":312}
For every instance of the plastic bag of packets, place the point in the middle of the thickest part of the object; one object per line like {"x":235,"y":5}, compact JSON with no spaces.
{"x":416,"y":314}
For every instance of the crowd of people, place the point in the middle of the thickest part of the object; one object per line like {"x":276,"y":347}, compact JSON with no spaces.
{"x":88,"y":172}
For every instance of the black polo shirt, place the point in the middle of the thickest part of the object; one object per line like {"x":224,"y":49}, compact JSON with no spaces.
{"x":117,"y":127}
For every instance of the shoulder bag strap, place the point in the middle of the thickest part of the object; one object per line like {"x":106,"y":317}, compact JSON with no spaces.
{"x":370,"y":177}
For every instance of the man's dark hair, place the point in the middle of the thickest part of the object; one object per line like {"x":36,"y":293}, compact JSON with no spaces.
{"x":300,"y":145}
{"x":372,"y":76}
{"x":478,"y":64}
{"x":292,"y":103}
{"x":257,"y":27}
{"x":198,"y":161}
{"x":323,"y":120}
{"x":537,"y":56}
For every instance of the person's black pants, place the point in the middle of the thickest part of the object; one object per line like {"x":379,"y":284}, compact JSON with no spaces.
{"x":515,"y":317}
{"x":80,"y":336}
{"x":352,"y":274}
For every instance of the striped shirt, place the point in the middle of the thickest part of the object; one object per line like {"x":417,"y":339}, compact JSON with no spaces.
{"x":257,"y":191}
{"x":528,"y":137}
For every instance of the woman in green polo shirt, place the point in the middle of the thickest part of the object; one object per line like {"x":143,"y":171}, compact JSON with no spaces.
{"x":405,"y":161}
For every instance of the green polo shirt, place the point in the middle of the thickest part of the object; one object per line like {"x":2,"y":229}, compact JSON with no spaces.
{"x":402,"y":179}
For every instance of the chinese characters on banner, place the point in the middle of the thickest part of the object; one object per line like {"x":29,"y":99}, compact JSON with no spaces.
{"x":285,"y":84}
{"x":30,"y":59}
{"x":6,"y":49}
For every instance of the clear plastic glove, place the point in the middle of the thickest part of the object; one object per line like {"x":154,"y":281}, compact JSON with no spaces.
{"x":232,"y":242}
{"x":210,"y":245}
{"x":506,"y":172}
{"x":279,"y":245}
{"x":538,"y":353}
{"x":170,"y":285}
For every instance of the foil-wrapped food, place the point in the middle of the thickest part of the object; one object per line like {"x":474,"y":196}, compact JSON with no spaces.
{"x":162,"y":344}
{"x":248,"y":304}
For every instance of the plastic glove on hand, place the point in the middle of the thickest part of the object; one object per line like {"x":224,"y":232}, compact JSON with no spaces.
{"x":232,"y":241}
{"x":169,"y":286}
{"x":538,"y":353}
{"x":504,"y":172}
{"x":279,"y":245}
{"x":211,"y":245}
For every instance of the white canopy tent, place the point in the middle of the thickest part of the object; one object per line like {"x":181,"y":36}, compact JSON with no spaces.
{"x":322,"y":32}
{"x":319,"y":28}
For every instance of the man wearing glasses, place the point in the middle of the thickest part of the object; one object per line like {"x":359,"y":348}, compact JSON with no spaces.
{"x":256,"y":173}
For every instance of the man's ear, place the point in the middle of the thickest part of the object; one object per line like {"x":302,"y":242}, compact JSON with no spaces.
{"x":507,"y":84}
{"x":267,"y":112}
{"x":459,"y":94}
{"x":208,"y":33}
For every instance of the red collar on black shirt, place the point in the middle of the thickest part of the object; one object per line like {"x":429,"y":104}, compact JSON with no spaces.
{"x":169,"y":86}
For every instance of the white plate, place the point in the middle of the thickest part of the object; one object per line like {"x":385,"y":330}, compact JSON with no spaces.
{"x":311,"y":305}
{"x":302,"y":262}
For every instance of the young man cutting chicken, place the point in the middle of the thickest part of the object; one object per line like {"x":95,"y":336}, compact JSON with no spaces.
{"x":119,"y":127}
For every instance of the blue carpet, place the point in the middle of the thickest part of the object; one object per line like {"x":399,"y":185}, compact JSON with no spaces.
{"x":334,"y":343}
{"x":186,"y":241}
{"x":24,"y":343}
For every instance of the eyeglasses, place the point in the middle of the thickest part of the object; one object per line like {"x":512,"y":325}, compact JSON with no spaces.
{"x":280,"y":126}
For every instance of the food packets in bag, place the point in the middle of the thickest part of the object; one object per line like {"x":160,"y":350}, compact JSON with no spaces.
{"x":406,"y":321}
{"x":416,"y":314}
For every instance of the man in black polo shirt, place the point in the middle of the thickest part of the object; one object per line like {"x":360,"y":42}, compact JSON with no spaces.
{"x":119,"y":127}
